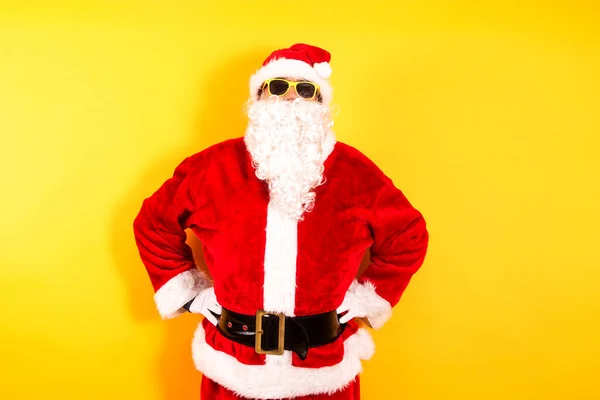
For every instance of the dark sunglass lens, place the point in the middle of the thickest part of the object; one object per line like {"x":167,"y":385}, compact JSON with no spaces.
{"x":306,"y":90}
{"x":278,"y":87}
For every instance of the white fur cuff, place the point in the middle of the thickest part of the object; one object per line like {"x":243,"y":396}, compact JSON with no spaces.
{"x":377,"y":308}
{"x":180,"y":289}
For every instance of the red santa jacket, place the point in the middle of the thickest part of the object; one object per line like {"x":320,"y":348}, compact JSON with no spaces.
{"x":260,"y":259}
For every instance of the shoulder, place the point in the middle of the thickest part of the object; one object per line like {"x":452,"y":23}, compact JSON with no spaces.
{"x":357,"y":163}
{"x":216,"y":154}
{"x":226,"y":148}
{"x":369,"y":180}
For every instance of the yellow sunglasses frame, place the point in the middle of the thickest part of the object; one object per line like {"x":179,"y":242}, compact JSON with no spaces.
{"x":290,"y":85}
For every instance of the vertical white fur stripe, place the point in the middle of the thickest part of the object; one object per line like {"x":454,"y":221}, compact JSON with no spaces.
{"x":281,"y":250}
{"x":180,"y":289}
{"x":281,"y":381}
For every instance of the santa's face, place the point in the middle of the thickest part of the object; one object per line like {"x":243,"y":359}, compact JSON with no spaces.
{"x":286,"y":139}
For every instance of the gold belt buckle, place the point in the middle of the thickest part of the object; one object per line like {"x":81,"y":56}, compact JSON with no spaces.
{"x":259,"y":333}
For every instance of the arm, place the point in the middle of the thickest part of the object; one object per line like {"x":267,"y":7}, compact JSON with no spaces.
{"x":159,"y":230}
{"x":400,"y":241}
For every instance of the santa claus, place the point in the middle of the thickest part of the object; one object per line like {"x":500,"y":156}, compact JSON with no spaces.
{"x":284,"y":214}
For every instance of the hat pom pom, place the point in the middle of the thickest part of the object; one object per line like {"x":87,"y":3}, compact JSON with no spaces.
{"x":323,"y":69}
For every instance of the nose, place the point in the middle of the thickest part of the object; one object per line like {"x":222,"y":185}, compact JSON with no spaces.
{"x":291,"y":94}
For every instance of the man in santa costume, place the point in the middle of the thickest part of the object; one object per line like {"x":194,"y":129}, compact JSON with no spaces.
{"x":284,"y":214}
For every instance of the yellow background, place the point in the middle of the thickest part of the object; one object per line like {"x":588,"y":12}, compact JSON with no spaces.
{"x":485,"y":113}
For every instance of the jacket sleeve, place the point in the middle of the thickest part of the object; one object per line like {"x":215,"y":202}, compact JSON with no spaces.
{"x":400,"y":241}
{"x":159,"y":231}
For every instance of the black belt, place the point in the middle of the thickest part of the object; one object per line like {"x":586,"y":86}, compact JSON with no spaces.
{"x":272,"y":333}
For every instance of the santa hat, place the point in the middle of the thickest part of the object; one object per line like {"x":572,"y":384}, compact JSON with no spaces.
{"x":301,"y":61}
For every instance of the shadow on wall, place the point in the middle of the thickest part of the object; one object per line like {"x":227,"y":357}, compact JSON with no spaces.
{"x":223,"y":95}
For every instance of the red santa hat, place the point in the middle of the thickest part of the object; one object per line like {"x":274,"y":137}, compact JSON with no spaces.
{"x":301,"y":61}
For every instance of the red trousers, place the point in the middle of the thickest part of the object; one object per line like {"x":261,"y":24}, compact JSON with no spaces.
{"x":211,"y":390}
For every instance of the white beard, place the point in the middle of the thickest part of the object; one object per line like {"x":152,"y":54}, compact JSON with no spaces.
{"x":287,"y":142}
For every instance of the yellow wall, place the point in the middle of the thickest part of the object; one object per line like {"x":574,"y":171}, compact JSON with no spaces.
{"x":487,"y":116}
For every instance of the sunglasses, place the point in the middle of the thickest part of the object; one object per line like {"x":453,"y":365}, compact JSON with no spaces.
{"x":280,"y":87}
